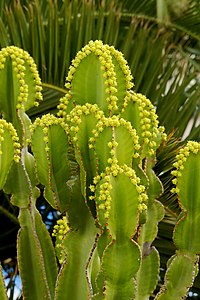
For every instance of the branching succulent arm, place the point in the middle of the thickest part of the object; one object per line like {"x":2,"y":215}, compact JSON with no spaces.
{"x":21,"y":89}
{"x":95,"y":160}
{"x":183,"y":266}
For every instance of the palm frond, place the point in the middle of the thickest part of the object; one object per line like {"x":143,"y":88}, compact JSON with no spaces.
{"x":186,"y":17}
{"x":166,"y":73}
{"x":145,"y":7}
{"x":180,"y":15}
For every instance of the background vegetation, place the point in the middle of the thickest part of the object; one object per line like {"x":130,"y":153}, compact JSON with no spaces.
{"x":160,"y":39}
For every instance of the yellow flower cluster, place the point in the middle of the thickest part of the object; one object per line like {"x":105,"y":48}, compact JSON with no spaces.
{"x":142,"y":197}
{"x":148,"y":122}
{"x":107,"y":67}
{"x":59,"y":231}
{"x":123,"y":65}
{"x":112,"y":122}
{"x":21,"y":62}
{"x":104,"y":199}
{"x":105,"y":54}
{"x":45,"y":122}
{"x":74,"y":118}
{"x":181,"y":158}
{"x":61,"y":228}
{"x":62,"y":106}
{"x":6,"y":126}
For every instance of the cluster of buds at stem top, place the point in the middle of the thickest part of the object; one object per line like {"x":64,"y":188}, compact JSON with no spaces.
{"x":105,"y":55}
{"x":75,"y":117}
{"x":59,"y":232}
{"x":45,"y":122}
{"x":181,"y":159}
{"x":123,"y":65}
{"x":150,"y":133}
{"x":104,"y":183}
{"x":21,"y":61}
{"x":114,"y":122}
{"x":9,"y":127}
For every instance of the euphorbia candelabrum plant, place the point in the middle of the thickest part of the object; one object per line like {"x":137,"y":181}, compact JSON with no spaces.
{"x":95,"y":160}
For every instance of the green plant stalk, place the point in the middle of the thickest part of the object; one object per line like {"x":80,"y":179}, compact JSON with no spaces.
{"x":72,"y":278}
{"x":147,"y":276}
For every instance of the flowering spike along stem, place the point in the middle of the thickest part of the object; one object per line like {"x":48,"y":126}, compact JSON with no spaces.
{"x":123,"y":74}
{"x":114,"y":141}
{"x":121,"y":220}
{"x":105,"y":69}
{"x":187,"y":174}
{"x":60,"y":230}
{"x":19,"y":81}
{"x":183,"y":267}
{"x":115,"y":181}
{"x":138,"y":110}
{"x":50,"y":147}
{"x":9,"y":149}
{"x":82,"y":120}
{"x":14,"y":178}
{"x":20,"y":89}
